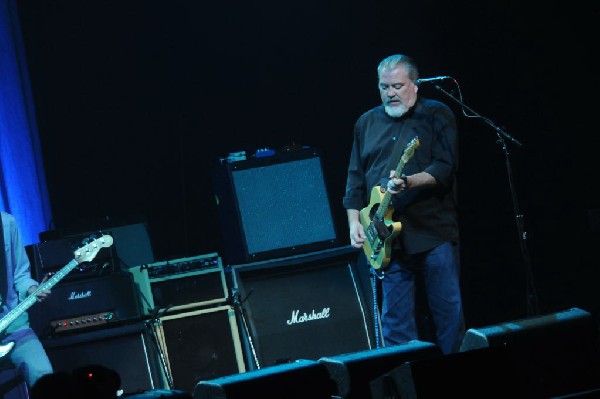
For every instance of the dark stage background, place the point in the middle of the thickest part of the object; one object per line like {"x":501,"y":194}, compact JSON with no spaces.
{"x":136,"y":101}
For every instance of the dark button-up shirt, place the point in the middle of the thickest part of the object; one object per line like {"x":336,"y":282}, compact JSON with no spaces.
{"x":428,"y":214}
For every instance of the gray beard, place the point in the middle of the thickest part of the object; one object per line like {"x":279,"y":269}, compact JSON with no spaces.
{"x":395,"y":112}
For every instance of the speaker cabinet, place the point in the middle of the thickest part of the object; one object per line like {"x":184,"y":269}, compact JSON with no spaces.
{"x":298,"y":380}
{"x":181,"y":284}
{"x":200,"y":345}
{"x":554,"y":354}
{"x":273,"y":206}
{"x":353,"y":372}
{"x":303,"y":307}
{"x":126,"y":349}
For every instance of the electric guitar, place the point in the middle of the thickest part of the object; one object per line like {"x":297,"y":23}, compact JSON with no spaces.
{"x":376,"y":218}
{"x":84,"y":254}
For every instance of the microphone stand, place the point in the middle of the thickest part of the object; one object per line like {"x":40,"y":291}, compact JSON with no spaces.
{"x":531,"y":294}
{"x":237,"y":303}
{"x":152,"y":325}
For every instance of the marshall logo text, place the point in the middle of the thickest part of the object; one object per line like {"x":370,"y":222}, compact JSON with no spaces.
{"x":297,"y":318}
{"x":79,"y":295}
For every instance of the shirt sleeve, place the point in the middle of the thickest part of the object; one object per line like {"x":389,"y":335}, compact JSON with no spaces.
{"x":20,"y":260}
{"x":444,"y":146}
{"x":355,"y":196}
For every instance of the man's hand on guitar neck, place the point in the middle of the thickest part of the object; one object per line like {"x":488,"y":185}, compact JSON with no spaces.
{"x":42,"y":294}
{"x":357,"y":232}
{"x":396,"y":184}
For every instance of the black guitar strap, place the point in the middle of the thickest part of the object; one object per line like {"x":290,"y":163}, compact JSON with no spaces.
{"x":404,"y":137}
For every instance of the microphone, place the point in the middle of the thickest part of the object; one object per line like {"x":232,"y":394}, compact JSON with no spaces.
{"x":419,"y":81}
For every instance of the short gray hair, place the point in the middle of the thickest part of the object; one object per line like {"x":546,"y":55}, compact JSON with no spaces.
{"x":394,"y":61}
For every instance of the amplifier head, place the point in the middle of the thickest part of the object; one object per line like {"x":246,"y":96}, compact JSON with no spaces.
{"x":181,"y":284}
{"x":112,"y":299}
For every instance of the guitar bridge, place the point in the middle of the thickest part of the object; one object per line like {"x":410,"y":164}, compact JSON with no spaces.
{"x":382,"y":230}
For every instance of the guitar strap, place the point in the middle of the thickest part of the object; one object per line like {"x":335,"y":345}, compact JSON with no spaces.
{"x":404,"y":137}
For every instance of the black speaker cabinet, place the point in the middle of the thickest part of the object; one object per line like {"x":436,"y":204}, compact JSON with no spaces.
{"x":302,"y":379}
{"x":128,"y":350}
{"x":274,"y":206}
{"x":353,"y":372}
{"x":553,"y":354}
{"x":200,"y":345}
{"x":303,"y":307}
{"x":181,"y":284}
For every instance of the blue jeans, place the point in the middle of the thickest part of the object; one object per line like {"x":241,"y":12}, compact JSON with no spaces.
{"x":439,"y":269}
{"x":28,"y":355}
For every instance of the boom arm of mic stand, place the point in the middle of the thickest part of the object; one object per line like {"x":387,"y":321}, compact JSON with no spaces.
{"x":486,"y":120}
{"x":531,"y":295}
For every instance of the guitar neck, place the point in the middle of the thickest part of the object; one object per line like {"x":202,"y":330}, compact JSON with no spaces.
{"x":59,"y":275}
{"x":32,"y":298}
{"x":387,"y":198}
{"x":84,"y":254}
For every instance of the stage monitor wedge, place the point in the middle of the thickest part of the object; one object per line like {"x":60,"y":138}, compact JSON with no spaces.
{"x":354,"y":372}
{"x":482,"y":373}
{"x":301,"y":379}
{"x":554,"y":354}
{"x":272,"y":207}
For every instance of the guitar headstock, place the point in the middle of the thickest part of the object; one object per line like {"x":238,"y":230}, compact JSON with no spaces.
{"x":409,"y":151}
{"x":89,"y":251}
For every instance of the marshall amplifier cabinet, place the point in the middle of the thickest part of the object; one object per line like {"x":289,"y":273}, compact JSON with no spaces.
{"x":181,"y":284}
{"x":86,"y":304}
{"x":302,"y":307}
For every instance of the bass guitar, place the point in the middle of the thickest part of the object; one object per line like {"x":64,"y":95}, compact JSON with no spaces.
{"x":84,"y":254}
{"x":376,"y":218}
